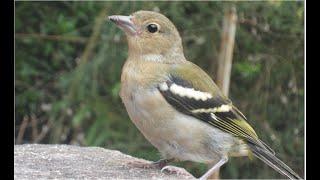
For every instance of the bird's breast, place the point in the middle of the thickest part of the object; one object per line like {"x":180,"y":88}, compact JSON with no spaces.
{"x":174,"y":134}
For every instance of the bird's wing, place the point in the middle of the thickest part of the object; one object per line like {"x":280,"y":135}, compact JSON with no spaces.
{"x":191,"y":91}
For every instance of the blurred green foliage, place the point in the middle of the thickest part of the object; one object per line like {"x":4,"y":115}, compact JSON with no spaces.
{"x":64,"y":96}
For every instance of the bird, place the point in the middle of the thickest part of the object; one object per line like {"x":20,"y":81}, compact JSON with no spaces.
{"x":177,"y":106}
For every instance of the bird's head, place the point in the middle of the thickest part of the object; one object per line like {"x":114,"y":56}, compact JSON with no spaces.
{"x":151,"y":36}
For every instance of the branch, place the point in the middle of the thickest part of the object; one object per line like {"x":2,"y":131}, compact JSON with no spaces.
{"x":74,"y":39}
{"x":94,"y":37}
{"x":22,"y":129}
{"x":88,"y":50}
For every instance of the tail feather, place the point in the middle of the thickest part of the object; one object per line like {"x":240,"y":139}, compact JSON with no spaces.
{"x":271,"y":160}
{"x":267,"y":147}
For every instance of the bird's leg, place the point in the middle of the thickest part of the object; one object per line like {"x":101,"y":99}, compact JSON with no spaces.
{"x":176,"y":170}
{"x":162,"y":162}
{"x":222,"y":161}
{"x":146,"y":165}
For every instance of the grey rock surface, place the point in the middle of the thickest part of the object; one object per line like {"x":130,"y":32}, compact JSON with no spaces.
{"x":35,"y":161}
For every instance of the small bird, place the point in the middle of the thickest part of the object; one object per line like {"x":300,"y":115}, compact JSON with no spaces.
{"x":177,"y":106}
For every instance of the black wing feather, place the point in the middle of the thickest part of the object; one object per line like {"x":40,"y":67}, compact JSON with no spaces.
{"x":186,"y":105}
{"x":226,"y":119}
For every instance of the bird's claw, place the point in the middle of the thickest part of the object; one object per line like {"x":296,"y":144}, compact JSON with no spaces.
{"x":147,"y":165}
{"x":175,"y":170}
{"x":142,"y":164}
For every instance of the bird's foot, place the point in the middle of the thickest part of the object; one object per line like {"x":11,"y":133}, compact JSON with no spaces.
{"x":141,"y":164}
{"x":162,"y":163}
{"x":176,"y":170}
{"x":147,"y":165}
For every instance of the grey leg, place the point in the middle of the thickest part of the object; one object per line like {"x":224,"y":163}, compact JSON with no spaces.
{"x":222,"y":161}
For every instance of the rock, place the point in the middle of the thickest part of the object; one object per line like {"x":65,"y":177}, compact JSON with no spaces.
{"x":35,"y":161}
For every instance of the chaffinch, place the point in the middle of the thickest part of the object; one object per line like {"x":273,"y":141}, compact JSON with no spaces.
{"x":176,"y":105}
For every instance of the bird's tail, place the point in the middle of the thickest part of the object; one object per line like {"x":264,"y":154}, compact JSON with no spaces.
{"x":271,"y":160}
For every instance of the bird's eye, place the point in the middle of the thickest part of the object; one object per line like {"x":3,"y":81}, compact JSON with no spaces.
{"x":152,"y":28}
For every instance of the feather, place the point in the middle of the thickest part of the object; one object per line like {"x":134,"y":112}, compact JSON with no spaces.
{"x":272,"y":161}
{"x":191,"y":91}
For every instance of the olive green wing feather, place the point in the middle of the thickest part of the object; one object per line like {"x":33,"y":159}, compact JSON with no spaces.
{"x":191,"y":91}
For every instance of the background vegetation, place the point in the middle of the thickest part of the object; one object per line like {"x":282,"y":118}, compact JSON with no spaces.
{"x":68,"y":61}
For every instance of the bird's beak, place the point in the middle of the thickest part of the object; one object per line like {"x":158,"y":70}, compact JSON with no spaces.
{"x":125,"y":23}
